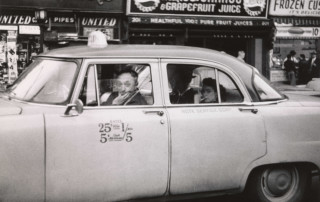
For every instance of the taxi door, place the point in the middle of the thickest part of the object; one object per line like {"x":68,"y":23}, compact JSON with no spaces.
{"x":108,"y":153}
{"x":212,"y":144}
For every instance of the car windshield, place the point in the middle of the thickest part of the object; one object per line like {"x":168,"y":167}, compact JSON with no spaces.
{"x":264,"y":89}
{"x":45,"y":81}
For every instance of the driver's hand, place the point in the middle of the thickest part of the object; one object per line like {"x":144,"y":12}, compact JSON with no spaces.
{"x":121,"y":99}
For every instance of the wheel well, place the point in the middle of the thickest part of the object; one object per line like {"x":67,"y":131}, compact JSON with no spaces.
{"x":305,"y":165}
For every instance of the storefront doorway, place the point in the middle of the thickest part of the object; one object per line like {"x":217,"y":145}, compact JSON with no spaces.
{"x":230,"y":46}
{"x":227,"y":45}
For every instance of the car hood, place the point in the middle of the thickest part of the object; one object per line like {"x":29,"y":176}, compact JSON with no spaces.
{"x":304,"y":99}
{"x":8,"y":108}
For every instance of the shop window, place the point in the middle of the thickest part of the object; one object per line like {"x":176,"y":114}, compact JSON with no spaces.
{"x":21,"y":51}
{"x":283,"y":47}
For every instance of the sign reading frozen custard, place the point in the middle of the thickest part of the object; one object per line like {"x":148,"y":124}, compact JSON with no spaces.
{"x":295,"y":8}
{"x":207,"y":8}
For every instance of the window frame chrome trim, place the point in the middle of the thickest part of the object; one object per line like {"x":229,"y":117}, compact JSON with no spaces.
{"x":154,"y":70}
{"x":97,"y":85}
{"x":212,"y":64}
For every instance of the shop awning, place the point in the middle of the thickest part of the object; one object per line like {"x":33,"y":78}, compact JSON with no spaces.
{"x":295,"y":21}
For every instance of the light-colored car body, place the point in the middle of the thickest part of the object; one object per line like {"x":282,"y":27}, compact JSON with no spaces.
{"x":56,"y":152}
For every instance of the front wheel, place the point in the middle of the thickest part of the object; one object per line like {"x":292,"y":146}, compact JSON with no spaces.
{"x":286,"y":183}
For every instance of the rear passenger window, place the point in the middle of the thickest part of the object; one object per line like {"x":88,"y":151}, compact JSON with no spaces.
{"x":264,"y":89}
{"x":230,"y":93}
{"x":117,"y":84}
{"x":194,"y":84}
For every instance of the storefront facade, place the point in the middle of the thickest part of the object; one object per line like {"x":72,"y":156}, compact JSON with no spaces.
{"x":228,"y":25}
{"x":64,"y":23}
{"x":297,"y":28}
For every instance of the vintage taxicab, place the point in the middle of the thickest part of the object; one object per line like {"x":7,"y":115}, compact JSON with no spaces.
{"x":134,"y":122}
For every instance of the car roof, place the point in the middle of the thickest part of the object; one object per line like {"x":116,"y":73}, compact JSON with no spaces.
{"x":151,"y":51}
{"x":157,"y":51}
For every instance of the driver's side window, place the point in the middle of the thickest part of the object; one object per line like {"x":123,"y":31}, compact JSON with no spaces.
{"x":117,"y":84}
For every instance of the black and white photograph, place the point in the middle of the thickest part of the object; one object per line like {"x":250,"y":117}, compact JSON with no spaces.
{"x":160,"y":100}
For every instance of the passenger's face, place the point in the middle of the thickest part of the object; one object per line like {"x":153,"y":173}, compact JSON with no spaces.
{"x":209,"y":94}
{"x":126,"y":83}
{"x":179,"y":84}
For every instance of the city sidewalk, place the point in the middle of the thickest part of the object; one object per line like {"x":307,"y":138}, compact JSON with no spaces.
{"x":284,"y":86}
{"x":300,"y":89}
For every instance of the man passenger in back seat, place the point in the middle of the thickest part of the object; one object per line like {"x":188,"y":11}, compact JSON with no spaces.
{"x":127,"y":90}
{"x":182,"y":93}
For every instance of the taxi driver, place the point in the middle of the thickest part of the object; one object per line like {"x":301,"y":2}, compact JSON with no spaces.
{"x":127,"y":90}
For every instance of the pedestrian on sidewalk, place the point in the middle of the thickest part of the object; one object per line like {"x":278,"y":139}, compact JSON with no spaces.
{"x":290,"y":67}
{"x":315,"y":65}
{"x":241,"y":55}
{"x":303,"y":69}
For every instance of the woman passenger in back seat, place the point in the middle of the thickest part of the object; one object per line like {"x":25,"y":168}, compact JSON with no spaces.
{"x":209,"y":91}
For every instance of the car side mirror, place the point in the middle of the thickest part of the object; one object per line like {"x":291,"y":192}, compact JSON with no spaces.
{"x":77,"y":105}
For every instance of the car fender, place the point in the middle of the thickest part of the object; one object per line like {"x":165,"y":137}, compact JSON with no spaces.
{"x":292,"y":136}
{"x":22,"y":157}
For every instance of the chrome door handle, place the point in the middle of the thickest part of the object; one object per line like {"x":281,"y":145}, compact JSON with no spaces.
{"x":160,"y":113}
{"x":253,"y":110}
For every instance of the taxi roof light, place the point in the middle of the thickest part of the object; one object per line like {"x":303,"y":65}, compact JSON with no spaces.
{"x":97,"y":39}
